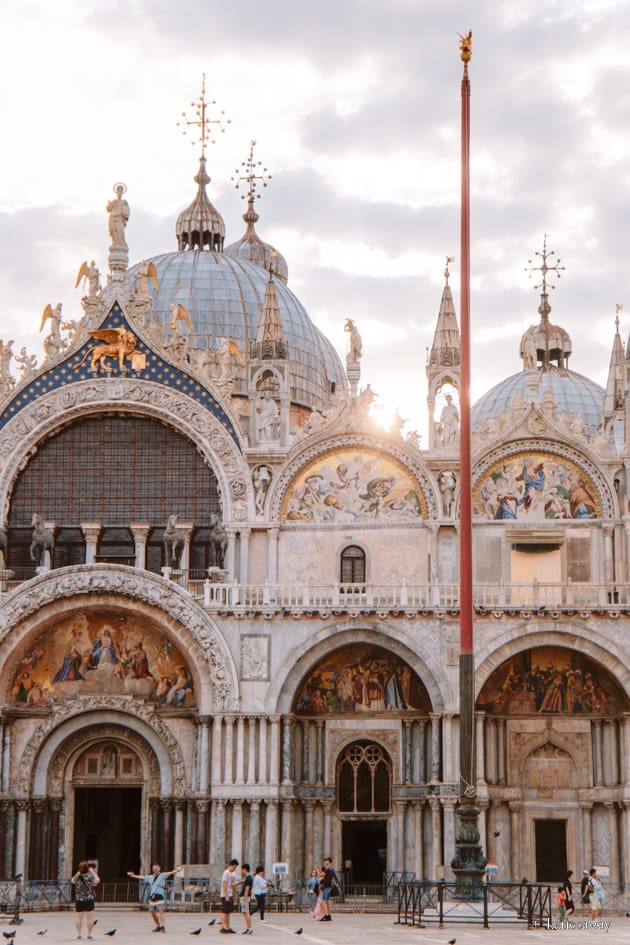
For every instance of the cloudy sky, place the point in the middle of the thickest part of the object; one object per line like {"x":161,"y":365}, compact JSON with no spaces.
{"x":355,"y":106}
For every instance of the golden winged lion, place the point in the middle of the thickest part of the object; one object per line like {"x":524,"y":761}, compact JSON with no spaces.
{"x":118,"y":343}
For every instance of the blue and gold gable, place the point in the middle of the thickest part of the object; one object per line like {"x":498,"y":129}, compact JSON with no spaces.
{"x":116,"y":349}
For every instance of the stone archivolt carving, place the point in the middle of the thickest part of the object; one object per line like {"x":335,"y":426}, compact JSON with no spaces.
{"x":81,"y":740}
{"x":350,"y":442}
{"x":338,"y":739}
{"x":64,"y":711}
{"x":146,"y":587}
{"x":43,"y":417}
{"x":528,"y":742}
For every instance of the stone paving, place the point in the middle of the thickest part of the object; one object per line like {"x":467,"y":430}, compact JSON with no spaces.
{"x":134,"y":926}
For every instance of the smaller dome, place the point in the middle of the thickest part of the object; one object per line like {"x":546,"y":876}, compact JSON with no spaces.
{"x":250,"y":248}
{"x":200,"y":226}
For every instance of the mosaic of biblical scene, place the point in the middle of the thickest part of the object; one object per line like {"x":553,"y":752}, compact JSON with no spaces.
{"x":96,"y":653}
{"x":535,"y":486}
{"x":346,"y":486}
{"x":551,"y":680}
{"x":361,"y":678}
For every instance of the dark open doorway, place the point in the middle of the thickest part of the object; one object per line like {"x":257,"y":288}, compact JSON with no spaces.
{"x":364,"y":844}
{"x":551,"y":851}
{"x":107,"y":829}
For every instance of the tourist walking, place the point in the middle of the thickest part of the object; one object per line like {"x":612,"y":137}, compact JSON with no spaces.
{"x":246,"y":897}
{"x":328,"y":881}
{"x":228,"y":895}
{"x":585,"y":893}
{"x":260,"y":887}
{"x":567,"y":889}
{"x":85,"y":881}
{"x":597,"y":894}
{"x":156,"y":881}
{"x":312,"y":888}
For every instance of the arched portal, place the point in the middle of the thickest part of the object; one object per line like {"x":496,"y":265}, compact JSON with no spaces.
{"x":363,"y":789}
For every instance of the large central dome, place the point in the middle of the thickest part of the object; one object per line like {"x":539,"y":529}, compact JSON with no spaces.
{"x":224,"y":293}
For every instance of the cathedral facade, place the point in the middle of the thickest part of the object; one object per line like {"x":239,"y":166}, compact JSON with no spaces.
{"x":218,"y":569}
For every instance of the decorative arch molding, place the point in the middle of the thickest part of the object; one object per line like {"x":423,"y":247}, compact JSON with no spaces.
{"x":349,"y":441}
{"x":388,"y":740}
{"x":71,"y":719}
{"x":54,"y":410}
{"x":25,"y":609}
{"x":577,"y":748}
{"x":61,"y":764}
{"x":305,"y":657}
{"x":591,"y":469}
{"x":525,"y":637}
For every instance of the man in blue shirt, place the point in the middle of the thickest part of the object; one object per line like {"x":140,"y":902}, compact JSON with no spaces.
{"x":156,"y":881}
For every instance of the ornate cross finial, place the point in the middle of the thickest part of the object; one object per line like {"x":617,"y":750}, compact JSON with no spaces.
{"x":201,"y":119}
{"x":250,"y":175}
{"x":544,"y":268}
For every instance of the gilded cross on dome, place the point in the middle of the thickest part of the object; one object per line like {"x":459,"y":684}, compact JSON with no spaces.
{"x":201,"y":120}
{"x":545,"y":268}
{"x":250,"y":175}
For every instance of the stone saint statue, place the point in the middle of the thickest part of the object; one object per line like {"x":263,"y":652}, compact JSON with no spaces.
{"x":267,"y":416}
{"x":355,"y":348}
{"x":528,"y":350}
{"x":449,"y":423}
{"x":118,"y":210}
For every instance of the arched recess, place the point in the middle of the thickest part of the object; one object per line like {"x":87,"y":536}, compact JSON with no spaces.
{"x":573,"y":639}
{"x":79,"y":592}
{"x":55,"y":410}
{"x":353,"y":479}
{"x":540,"y":480}
{"x":302,"y":662}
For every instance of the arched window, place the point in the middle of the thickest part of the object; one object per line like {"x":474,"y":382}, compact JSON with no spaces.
{"x":363,"y":779}
{"x":352,"y":570}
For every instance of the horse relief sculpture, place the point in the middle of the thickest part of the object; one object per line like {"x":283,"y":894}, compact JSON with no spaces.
{"x":173,"y":541}
{"x":42,"y":542}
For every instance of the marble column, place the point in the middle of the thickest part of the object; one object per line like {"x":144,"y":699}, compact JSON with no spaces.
{"x":240,"y":750}
{"x":608,"y":562}
{"x":625,"y":839}
{"x":218,"y":850}
{"x":272,"y":556}
{"x":515,"y":841}
{"x":274,"y":749}
{"x":491,"y":751}
{"x":4,"y":812}
{"x":480,"y":761}
{"x":448,"y":813}
{"x":271,"y":835}
{"x":613,"y":830}
{"x":501,"y":751}
{"x":156,"y":833}
{"x":54,"y":840}
{"x":435,"y":748}
{"x":598,"y":766}
{"x":420,"y":761}
{"x":216,"y":758}
{"x":587,"y":832}
{"x":327,"y":836}
{"x":91,"y":533}
{"x":287,"y":836}
{"x":625,"y":749}
{"x":21,"y":807}
{"x":254,"y":833}
{"x":309,"y":839}
{"x":187,"y":530}
{"x":418,"y":825}
{"x":436,"y":839}
{"x":263,"y":761}
{"x":319,"y":751}
{"x":237,"y":830}
{"x":230,"y":556}
{"x":288,"y":740}
{"x":243,"y":570}
{"x":37,"y":831}
{"x":166,"y":852}
{"x":228,"y":757}
{"x":251,"y":751}
{"x":407,"y":751}
{"x":140,"y":536}
{"x":180,"y":805}
{"x":203,"y":760}
{"x":449,"y":747}
{"x":398,"y":825}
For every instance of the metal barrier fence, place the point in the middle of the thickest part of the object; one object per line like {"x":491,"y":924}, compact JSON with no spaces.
{"x":420,"y":903}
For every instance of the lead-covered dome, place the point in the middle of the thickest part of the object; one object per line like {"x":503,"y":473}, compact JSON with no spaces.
{"x":224,"y":297}
{"x":571,"y":392}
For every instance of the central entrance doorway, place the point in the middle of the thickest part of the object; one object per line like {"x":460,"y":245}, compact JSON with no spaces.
{"x":107,"y":829}
{"x":551,"y":850}
{"x":364,"y":845}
